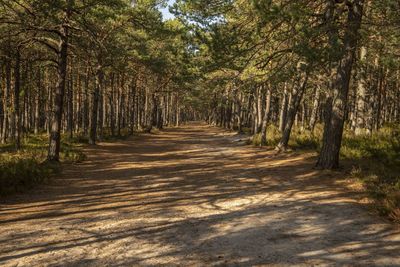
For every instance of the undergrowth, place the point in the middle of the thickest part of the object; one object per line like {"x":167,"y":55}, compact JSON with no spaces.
{"x":22,"y":170}
{"x":376,"y":162}
{"x":301,"y":140}
{"x":375,"y":159}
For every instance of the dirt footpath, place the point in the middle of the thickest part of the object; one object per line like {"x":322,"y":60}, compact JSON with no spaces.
{"x":192,"y":197}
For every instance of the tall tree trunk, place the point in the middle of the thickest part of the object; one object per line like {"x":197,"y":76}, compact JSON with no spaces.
{"x":239,"y":113}
{"x":85,"y":115}
{"x":178,"y":112}
{"x":379,"y":99}
{"x":17,"y":113}
{"x":6,"y":102}
{"x":266,"y":117}
{"x":259,"y":110}
{"x":314,"y":112}
{"x":284,"y":108}
{"x":361,"y":95}
{"x":95,"y":106}
{"x":329,"y":155}
{"x":101,"y":117}
{"x":111,"y":100}
{"x":70,"y":107}
{"x":38,"y":102}
{"x":55,"y":134}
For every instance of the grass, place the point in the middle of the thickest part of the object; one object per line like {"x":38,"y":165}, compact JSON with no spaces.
{"x":299,"y":140}
{"x":22,"y":170}
{"x":375,"y":161}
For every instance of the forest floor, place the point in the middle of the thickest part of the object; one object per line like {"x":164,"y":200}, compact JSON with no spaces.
{"x":193,"y":196}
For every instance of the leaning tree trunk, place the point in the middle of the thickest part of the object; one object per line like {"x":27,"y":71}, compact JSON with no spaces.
{"x":329,"y":155}
{"x":297,"y":96}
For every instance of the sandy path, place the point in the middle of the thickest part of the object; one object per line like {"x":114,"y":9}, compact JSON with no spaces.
{"x":192,"y":197}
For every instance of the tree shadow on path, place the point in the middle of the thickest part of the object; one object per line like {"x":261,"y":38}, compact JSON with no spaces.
{"x":191,"y":196}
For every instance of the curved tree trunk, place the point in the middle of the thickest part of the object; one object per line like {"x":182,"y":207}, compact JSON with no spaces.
{"x":297,"y":96}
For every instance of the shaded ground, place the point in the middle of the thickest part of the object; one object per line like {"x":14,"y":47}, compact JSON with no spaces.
{"x":193,"y":197}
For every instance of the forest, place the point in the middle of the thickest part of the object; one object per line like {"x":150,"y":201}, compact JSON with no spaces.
{"x":277,"y":91}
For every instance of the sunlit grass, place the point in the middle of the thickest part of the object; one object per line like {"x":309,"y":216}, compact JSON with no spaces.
{"x":375,"y":159}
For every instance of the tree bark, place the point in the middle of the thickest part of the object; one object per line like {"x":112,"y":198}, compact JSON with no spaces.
{"x":361,"y":95}
{"x":38,"y":102}
{"x":17,"y":113}
{"x":6,"y":102}
{"x":266,"y":117}
{"x":284,"y":108}
{"x":95,"y":106}
{"x":55,"y":132}
{"x":329,"y":155}
{"x":70,"y":107}
{"x":314,"y":112}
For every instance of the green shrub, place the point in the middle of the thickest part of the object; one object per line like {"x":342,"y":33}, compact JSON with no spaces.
{"x":22,"y":172}
{"x":305,"y":140}
{"x":72,"y":154}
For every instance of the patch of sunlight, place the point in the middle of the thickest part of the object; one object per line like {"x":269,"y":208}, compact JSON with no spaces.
{"x":307,"y":175}
{"x":186,"y":151}
{"x":314,"y":253}
{"x":281,"y":162}
{"x":247,"y":180}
